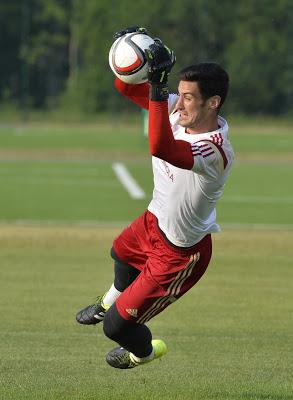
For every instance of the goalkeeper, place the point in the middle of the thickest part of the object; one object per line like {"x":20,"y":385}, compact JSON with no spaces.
{"x":166,"y":250}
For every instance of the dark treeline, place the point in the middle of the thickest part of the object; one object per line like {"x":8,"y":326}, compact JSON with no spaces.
{"x":56,"y":52}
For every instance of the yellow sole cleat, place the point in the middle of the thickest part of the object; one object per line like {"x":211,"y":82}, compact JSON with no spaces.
{"x":123,"y":359}
{"x":160,"y":348}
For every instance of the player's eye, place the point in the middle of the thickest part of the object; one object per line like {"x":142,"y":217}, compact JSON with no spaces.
{"x":188,"y":98}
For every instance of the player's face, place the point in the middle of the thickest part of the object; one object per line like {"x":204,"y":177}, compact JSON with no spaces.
{"x":195,"y":112}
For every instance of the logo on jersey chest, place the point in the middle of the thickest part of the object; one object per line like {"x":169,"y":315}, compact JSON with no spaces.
{"x":168,"y":171}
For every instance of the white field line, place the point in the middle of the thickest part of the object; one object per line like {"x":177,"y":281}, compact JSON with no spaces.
{"x":119,"y":224}
{"x":65,"y":182}
{"x":64,"y":223}
{"x":256,"y":227}
{"x":257,"y":199}
{"x":129,"y":183}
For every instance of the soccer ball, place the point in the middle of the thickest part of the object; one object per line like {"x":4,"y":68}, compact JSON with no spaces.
{"x":127,"y":59}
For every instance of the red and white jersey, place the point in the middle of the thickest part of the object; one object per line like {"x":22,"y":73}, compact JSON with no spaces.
{"x":184,"y":201}
{"x":190,"y":171}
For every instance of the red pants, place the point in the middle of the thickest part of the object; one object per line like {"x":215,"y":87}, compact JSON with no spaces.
{"x":167,"y":271}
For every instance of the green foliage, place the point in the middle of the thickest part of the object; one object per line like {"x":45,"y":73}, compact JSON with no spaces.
{"x":46,"y":50}
{"x":58,"y":50}
{"x":10,"y":33}
{"x":258,"y":57}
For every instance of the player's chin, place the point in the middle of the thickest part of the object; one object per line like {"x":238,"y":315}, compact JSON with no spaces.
{"x":184,"y":124}
{"x":183,"y":120}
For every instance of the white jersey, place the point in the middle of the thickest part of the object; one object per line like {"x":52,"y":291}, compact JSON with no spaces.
{"x":184,"y":201}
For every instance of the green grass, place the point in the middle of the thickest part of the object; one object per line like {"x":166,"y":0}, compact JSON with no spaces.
{"x":60,"y":208}
{"x":228,"y":338}
{"x":63,"y":191}
{"x":89,"y":191}
{"x":64,"y":173}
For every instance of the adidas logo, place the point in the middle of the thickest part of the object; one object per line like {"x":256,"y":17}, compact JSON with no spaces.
{"x":100,"y":316}
{"x":132,"y":311}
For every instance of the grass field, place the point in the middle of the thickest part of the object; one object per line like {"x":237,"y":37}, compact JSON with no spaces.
{"x":60,"y":208}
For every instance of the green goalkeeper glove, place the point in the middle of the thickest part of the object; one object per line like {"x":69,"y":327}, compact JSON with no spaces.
{"x":130,"y":29}
{"x":160,"y":62}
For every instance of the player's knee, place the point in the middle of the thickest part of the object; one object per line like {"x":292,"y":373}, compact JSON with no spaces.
{"x":114,"y":255}
{"x":110,"y":330}
{"x":114,"y":325}
{"x":125,"y":274}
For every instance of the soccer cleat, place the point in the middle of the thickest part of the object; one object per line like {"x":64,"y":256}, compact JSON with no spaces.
{"x":92,"y":314}
{"x":123,"y":359}
{"x":120,"y":358}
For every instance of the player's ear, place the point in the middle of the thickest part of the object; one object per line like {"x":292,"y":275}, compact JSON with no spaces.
{"x":214,"y":102}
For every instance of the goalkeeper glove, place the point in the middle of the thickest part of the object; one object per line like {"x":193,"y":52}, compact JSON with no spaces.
{"x":160,"y":62}
{"x":131,"y":29}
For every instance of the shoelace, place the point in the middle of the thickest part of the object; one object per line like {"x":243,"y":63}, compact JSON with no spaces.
{"x":125,"y":359}
{"x":98,"y":300}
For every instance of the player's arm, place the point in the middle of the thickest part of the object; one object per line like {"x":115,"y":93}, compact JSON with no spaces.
{"x":161,"y":140}
{"x":138,"y":94}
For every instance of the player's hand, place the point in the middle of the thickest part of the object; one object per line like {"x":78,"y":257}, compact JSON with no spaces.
{"x":160,"y":62}
{"x":130,"y":29}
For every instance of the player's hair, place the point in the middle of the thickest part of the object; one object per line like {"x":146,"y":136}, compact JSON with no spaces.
{"x":212,"y":79}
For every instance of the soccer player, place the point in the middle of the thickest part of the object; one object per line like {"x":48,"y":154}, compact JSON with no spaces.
{"x":165,"y":251}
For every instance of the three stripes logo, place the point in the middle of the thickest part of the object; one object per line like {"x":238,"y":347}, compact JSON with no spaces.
{"x":100,"y":316}
{"x":217,"y":138}
{"x":132,"y":312}
{"x":172,"y":291}
{"x":203,"y":150}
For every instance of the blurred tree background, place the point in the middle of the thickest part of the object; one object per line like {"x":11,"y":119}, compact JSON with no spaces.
{"x":54,"y":54}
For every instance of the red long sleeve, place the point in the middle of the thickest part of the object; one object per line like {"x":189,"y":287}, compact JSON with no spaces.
{"x":161,"y":140}
{"x":139,"y":93}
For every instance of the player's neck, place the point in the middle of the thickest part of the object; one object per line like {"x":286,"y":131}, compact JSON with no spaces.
{"x":204,"y":127}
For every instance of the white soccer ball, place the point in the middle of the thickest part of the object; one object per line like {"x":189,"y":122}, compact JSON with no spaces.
{"x":127,"y":59}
